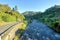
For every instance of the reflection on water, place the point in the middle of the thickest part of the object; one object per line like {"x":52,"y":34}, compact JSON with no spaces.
{"x":39,"y":31}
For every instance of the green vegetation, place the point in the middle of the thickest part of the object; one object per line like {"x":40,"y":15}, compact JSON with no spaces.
{"x":30,"y":15}
{"x":50,"y":17}
{"x":9,"y":15}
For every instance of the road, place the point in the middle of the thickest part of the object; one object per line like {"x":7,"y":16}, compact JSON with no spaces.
{"x":4,"y":28}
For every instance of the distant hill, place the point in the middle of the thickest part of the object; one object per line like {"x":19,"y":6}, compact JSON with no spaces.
{"x":31,"y":14}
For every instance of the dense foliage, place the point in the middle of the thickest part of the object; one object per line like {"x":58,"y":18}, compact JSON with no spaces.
{"x":50,"y":17}
{"x":8,"y":14}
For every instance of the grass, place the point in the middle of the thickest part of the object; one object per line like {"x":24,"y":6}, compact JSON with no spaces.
{"x":4,"y":23}
{"x":6,"y":18}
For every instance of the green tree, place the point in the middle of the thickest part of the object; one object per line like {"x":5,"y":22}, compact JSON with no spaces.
{"x":16,"y":8}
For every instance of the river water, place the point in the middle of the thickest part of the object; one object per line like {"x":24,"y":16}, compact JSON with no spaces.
{"x":39,"y":31}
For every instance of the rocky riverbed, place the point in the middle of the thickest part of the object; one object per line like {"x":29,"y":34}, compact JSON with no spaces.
{"x":39,"y":31}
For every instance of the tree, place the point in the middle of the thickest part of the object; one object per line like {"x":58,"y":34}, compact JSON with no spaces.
{"x":15,"y":8}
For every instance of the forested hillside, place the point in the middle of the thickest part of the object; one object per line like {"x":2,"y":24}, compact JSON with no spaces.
{"x":30,"y":15}
{"x":8,"y":14}
{"x":50,"y":17}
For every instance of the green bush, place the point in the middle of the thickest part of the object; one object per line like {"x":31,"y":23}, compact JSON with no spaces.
{"x":8,"y":18}
{"x":56,"y":27}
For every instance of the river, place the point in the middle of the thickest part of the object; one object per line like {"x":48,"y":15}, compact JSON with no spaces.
{"x":39,"y":31}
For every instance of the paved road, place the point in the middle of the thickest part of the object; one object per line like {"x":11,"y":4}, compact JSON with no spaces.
{"x":39,"y":31}
{"x":4,"y":28}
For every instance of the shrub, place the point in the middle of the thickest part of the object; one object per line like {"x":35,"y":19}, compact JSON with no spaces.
{"x":57,"y":27}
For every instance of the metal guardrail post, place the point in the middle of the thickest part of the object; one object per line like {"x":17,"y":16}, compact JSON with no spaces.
{"x":0,"y":37}
{"x":6,"y":37}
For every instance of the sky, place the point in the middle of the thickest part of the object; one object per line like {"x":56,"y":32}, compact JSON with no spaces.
{"x":31,"y":5}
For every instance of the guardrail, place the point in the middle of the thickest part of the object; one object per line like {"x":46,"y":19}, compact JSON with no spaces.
{"x":8,"y":27}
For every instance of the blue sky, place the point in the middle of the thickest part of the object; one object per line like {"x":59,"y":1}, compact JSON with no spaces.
{"x":31,"y":5}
